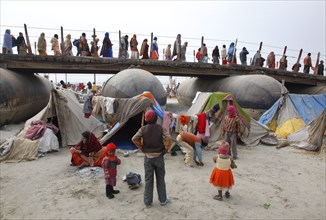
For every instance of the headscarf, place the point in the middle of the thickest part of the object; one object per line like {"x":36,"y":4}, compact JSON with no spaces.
{"x":224,"y":148}
{"x":150,"y":117}
{"x":92,"y":144}
{"x":110,"y":146}
{"x":233,"y":111}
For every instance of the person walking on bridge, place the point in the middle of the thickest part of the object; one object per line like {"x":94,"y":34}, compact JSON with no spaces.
{"x":7,"y":43}
{"x":67,"y":46}
{"x":55,"y":45}
{"x":168,"y":54}
{"x":177,"y":48}
{"x":144,"y":50}
{"x":20,"y":41}
{"x":106,"y":50}
{"x":134,"y":47}
{"x":271,"y":60}
{"x":41,"y":45}
{"x":243,"y":56}
{"x":307,"y":63}
{"x":216,"y":55}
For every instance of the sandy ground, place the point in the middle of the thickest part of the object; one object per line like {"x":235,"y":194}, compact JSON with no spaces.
{"x":270,"y":183}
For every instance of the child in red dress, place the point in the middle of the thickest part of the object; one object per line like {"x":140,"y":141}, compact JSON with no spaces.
{"x":109,"y":164}
{"x":222,"y":176}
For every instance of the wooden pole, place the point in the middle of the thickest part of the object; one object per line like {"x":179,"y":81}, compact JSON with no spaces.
{"x":284,"y":51}
{"x":201,"y":49}
{"x":179,"y":49}
{"x":119,"y":54}
{"x":28,"y":42}
{"x":35,"y":51}
{"x":235,"y":47}
{"x":260,"y":46}
{"x":94,"y":42}
{"x":194,"y":56}
{"x":94,"y":78}
{"x":257,"y":61}
{"x":163,"y":57}
{"x":151,"y":48}
{"x":296,"y":66}
{"x":62,"y":42}
{"x":317,"y":62}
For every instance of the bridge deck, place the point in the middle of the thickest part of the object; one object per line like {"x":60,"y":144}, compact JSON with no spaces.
{"x":80,"y":65}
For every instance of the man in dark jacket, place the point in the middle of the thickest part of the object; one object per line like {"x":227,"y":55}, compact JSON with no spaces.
{"x":243,"y":56}
{"x":150,"y":140}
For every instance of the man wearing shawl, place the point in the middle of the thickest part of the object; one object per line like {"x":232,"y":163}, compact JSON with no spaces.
{"x":88,"y":152}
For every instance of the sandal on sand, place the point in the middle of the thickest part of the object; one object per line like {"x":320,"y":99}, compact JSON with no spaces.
{"x":227,"y":194}
{"x":218,"y":197}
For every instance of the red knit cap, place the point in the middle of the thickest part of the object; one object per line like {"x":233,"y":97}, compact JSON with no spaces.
{"x":150,"y":117}
{"x":110,"y":146}
{"x":224,"y":148}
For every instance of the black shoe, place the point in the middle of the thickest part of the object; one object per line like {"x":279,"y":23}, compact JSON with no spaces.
{"x":111,"y":196}
{"x":115,"y":191}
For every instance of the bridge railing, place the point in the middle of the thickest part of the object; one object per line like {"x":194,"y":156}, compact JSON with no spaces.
{"x":163,"y":40}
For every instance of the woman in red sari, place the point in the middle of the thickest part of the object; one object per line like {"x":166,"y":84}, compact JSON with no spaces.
{"x":89,"y":152}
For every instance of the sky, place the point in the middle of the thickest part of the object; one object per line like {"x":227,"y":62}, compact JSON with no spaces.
{"x":295,"y":24}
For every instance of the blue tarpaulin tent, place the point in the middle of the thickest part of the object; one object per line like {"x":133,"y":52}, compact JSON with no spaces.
{"x":292,"y":112}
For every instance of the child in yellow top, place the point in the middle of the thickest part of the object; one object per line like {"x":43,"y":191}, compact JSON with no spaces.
{"x":222,"y":176}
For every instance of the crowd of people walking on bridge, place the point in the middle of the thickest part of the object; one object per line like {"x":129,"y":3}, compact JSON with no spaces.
{"x":177,"y":53}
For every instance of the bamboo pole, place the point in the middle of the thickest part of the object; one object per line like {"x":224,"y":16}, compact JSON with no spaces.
{"x":151,"y":48}
{"x":62,"y":45}
{"x":28,"y":42}
{"x":296,"y":66}
{"x":95,"y":44}
{"x":317,"y":62}
{"x":119,"y":54}
{"x":194,"y":53}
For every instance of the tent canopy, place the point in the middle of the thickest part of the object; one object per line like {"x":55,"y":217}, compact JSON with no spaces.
{"x":64,"y":105}
{"x":292,"y":112}
{"x":252,"y":130}
{"x":129,"y":117}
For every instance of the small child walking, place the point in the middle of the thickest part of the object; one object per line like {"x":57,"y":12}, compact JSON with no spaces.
{"x":109,"y":164}
{"x":222,"y":176}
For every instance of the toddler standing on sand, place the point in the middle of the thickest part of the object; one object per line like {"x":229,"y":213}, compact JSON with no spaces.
{"x":109,"y":164}
{"x":222,"y":176}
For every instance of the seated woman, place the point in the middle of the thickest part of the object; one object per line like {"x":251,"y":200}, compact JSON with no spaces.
{"x":88,"y":152}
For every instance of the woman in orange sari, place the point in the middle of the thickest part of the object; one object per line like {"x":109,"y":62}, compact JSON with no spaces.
{"x":89,"y":152}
